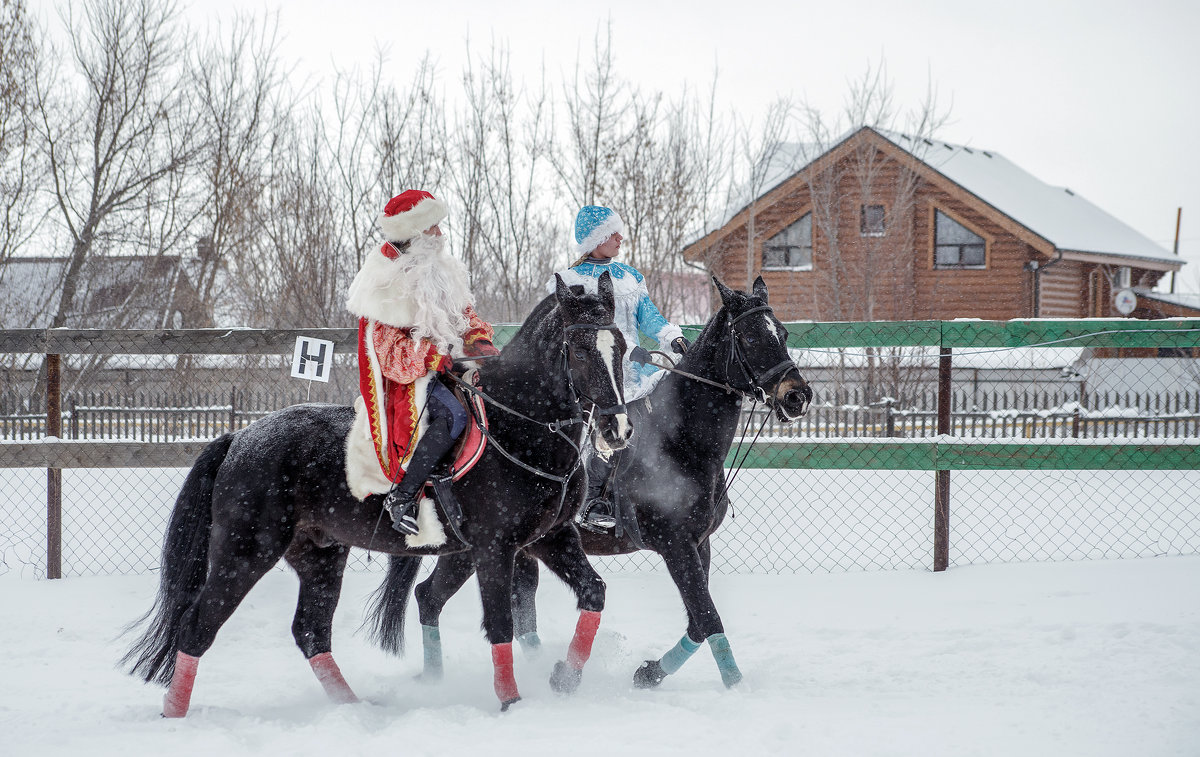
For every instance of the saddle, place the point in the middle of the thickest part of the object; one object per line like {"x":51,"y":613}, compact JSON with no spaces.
{"x":462,"y":457}
{"x":472,"y":443}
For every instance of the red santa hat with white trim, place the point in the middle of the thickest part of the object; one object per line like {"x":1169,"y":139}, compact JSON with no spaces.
{"x":409,"y":213}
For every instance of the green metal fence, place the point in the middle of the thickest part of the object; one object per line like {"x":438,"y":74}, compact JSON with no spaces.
{"x":828,"y":496}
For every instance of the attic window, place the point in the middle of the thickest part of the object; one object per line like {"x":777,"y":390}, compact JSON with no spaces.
{"x":872,"y":223}
{"x":790,"y":249}
{"x":956,"y":246}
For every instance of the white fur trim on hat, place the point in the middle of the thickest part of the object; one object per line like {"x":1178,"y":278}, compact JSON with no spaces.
{"x":426,"y":213}
{"x":605,"y":229}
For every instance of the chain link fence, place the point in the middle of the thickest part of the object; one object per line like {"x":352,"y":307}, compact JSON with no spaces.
{"x":929,"y":443}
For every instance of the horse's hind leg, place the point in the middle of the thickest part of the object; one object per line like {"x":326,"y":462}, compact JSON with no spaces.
{"x":432,"y":594}
{"x":564,"y":556}
{"x":524,"y":594}
{"x":320,"y":570}
{"x":236,"y":563}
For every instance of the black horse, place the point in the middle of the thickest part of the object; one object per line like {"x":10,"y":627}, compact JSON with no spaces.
{"x":671,"y":480}
{"x":277,"y":488}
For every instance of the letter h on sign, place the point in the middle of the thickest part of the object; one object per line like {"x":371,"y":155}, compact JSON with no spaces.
{"x":312,"y":359}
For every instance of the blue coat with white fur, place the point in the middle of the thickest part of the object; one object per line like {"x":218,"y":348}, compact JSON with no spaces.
{"x":635,"y":313}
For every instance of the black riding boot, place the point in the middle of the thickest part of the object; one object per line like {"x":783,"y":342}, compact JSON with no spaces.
{"x":401,"y":501}
{"x":597,"y":514}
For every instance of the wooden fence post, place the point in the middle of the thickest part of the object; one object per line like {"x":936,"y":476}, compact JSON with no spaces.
{"x":53,"y":475}
{"x":941,"y":510}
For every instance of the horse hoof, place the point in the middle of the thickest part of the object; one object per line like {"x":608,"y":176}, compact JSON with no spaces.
{"x":508,"y":703}
{"x":531,"y":643}
{"x":565,"y":679}
{"x":649,"y":675}
{"x":428,"y":677}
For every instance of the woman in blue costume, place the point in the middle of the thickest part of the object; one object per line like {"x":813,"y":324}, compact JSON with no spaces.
{"x":598,"y":232}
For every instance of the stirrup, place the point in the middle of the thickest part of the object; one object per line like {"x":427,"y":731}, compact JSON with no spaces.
{"x":592,"y":518}
{"x":403,"y":513}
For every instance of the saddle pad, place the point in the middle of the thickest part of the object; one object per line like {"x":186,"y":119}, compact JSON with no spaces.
{"x":473,"y":442}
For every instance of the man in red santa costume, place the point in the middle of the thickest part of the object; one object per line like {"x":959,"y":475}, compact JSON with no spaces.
{"x":415,"y":315}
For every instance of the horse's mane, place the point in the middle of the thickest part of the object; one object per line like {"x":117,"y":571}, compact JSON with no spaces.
{"x":545,"y":315}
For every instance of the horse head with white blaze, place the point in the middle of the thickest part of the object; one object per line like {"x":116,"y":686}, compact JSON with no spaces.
{"x":593,"y":347}
{"x":758,"y":363}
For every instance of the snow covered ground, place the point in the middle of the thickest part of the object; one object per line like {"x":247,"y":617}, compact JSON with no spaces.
{"x":1077,"y":658}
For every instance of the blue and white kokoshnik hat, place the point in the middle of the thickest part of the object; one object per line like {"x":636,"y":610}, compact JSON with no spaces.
{"x":594,"y":224}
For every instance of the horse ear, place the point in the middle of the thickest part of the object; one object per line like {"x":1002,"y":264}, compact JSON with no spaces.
{"x":561,"y":290}
{"x":760,"y":289}
{"x":725,"y":292}
{"x":605,"y":287}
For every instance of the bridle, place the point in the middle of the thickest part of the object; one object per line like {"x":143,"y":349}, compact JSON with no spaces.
{"x":754,"y":381}
{"x":597,"y":410}
{"x":555,"y":426}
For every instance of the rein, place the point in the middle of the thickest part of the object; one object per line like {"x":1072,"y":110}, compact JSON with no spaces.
{"x":556,"y":426}
{"x":755,"y":391}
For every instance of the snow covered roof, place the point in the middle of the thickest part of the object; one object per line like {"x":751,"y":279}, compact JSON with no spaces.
{"x":1057,"y":214}
{"x":1183,"y":300}
{"x":129,"y":291}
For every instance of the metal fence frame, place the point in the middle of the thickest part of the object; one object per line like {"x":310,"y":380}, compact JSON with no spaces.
{"x":941,"y":454}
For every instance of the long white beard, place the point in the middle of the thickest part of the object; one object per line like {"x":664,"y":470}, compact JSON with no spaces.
{"x":425,"y":289}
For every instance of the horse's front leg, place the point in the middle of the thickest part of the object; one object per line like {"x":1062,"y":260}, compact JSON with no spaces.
{"x":688,"y":566}
{"x":563,"y":554}
{"x":494,"y":566}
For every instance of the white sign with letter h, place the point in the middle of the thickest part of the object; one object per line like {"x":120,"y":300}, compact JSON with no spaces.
{"x":312,"y":359}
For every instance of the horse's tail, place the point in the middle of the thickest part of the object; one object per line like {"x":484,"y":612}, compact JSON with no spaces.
{"x":390,"y":602}
{"x":183,"y":571}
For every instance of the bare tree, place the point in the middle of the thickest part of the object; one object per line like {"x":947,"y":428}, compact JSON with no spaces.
{"x":767,"y":162}
{"x":383,"y":140}
{"x":238,"y":82}
{"x":22,"y":168}
{"x":500,"y":174}
{"x":114,"y":127}
{"x":871,"y":274}
{"x":596,"y":107}
{"x":664,"y":183}
{"x":295,"y":272}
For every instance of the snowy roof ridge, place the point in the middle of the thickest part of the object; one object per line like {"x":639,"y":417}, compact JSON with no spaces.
{"x":1057,"y":214}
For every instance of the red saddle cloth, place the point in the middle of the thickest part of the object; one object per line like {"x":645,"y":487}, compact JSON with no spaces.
{"x":473,"y":441}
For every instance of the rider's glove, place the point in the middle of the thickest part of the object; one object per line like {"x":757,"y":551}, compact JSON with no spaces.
{"x":640,"y":355}
{"x":680,"y":345}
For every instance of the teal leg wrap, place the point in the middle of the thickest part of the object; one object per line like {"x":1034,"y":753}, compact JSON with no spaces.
{"x":679,"y":654}
{"x":724,"y":657}
{"x":530,"y":641}
{"x":431,"y":641}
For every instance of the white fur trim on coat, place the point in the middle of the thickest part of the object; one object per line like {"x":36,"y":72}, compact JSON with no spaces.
{"x":426,"y":213}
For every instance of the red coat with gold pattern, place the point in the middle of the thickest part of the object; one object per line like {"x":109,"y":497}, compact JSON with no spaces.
{"x":390,"y":364}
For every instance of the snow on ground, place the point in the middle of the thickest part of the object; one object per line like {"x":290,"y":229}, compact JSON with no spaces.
{"x":1076,"y":658}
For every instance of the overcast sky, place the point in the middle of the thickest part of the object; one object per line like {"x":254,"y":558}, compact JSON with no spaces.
{"x":1098,"y":96}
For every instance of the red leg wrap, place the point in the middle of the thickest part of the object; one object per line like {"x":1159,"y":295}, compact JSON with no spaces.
{"x":331,"y":678}
{"x":179,"y":694}
{"x":585,"y":633}
{"x":504,"y":681}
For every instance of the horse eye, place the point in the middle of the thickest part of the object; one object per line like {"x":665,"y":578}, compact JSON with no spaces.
{"x":580,"y":353}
